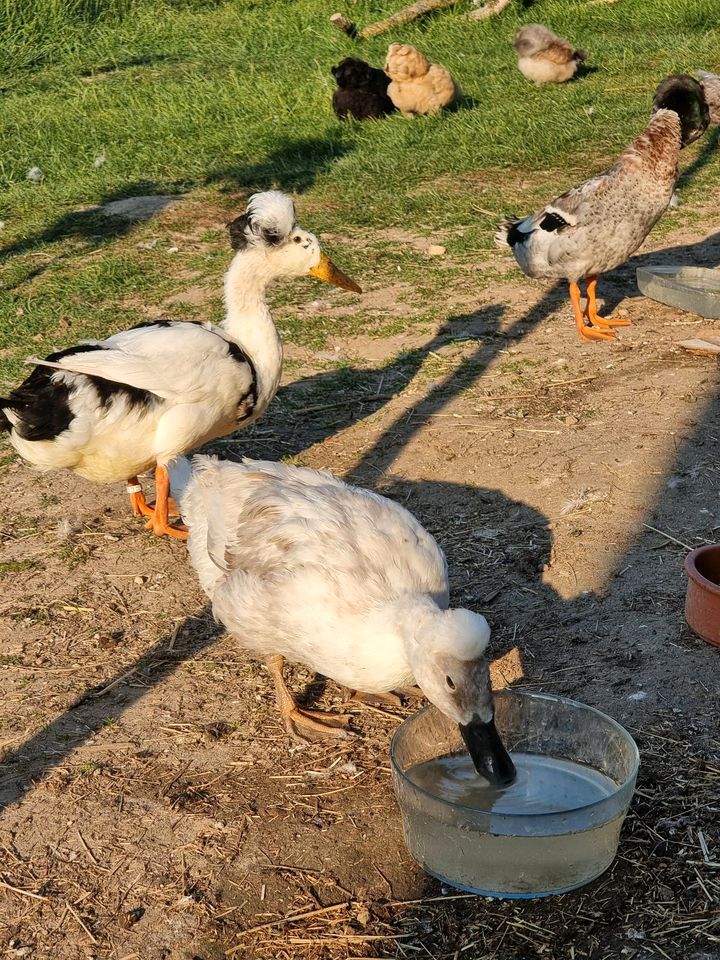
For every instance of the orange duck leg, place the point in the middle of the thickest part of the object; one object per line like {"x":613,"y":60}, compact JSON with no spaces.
{"x":591,"y":313}
{"x":587,"y":333}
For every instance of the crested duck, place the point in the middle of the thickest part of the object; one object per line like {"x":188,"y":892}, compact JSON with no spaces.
{"x":112,"y":409}
{"x":543,"y":57}
{"x":301,"y":566}
{"x":596,"y":226}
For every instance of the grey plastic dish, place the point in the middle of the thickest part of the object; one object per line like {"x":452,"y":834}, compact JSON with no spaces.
{"x":695,"y":289}
{"x":517,"y":855}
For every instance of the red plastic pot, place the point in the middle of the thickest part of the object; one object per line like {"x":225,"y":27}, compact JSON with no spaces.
{"x":702,"y":603}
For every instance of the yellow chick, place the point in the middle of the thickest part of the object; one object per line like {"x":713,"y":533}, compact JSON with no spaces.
{"x":417,"y":86}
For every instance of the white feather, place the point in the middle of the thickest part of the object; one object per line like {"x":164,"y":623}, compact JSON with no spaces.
{"x":299,"y":564}
{"x":272,"y":211}
{"x":200,"y":382}
{"x":131,"y":358}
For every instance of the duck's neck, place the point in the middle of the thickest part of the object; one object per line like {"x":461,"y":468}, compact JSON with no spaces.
{"x":656,"y":152}
{"x":248,"y":320}
{"x":411,"y":616}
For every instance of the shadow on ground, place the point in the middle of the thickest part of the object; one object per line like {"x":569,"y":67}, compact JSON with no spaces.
{"x":616,"y":286}
{"x":293,"y":166}
{"x":298,"y":419}
{"x":85,"y":231}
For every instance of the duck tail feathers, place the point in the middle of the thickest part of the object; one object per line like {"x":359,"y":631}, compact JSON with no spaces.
{"x":5,"y":422}
{"x":506,"y":233}
{"x":180,"y":470}
{"x":206,"y":491}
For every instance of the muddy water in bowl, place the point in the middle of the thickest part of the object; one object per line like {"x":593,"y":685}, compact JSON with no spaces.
{"x":553,"y":829}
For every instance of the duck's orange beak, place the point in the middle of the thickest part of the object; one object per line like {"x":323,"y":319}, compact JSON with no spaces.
{"x":327,"y":271}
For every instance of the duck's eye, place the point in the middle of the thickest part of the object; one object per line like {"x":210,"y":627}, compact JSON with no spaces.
{"x":297,"y":239}
{"x":450,"y":682}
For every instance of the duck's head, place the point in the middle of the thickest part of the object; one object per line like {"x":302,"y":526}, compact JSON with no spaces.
{"x":404,"y":62}
{"x":268,"y":231}
{"x":685,"y":96}
{"x":447,"y":653}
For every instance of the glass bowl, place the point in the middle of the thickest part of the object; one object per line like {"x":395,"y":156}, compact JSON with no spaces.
{"x":514,"y":844}
{"x":695,"y":289}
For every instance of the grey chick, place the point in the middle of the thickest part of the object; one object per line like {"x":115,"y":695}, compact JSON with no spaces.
{"x":543,"y":57}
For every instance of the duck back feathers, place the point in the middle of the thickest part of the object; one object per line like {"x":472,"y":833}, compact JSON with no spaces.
{"x":277,"y":522}
{"x":710,"y":83}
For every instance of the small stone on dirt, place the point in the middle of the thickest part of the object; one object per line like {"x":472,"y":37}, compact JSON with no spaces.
{"x":131,"y":917}
{"x":487,"y":533}
{"x":435,"y":250}
{"x":66,"y":529}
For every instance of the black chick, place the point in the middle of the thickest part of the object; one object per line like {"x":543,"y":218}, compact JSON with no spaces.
{"x":363,"y":91}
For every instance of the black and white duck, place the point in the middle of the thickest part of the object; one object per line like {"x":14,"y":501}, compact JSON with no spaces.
{"x":111,"y":409}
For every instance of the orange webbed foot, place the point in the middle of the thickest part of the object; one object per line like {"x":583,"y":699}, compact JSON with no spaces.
{"x":605,"y":322}
{"x":593,"y":334}
{"x":178,"y":530}
{"x":138,"y":503}
{"x":590,"y":312}
{"x":587,"y":333}
{"x":159,"y":521}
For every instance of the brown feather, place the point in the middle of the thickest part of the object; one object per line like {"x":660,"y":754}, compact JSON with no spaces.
{"x":559,"y":51}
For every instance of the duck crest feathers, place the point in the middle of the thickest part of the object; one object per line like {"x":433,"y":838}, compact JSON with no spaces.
{"x":269,"y":219}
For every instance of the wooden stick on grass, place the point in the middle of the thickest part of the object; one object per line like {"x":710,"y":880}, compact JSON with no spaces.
{"x":490,"y":9}
{"x":415,"y":10}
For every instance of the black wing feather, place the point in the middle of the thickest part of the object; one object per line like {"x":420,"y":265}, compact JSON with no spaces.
{"x":552,"y":222}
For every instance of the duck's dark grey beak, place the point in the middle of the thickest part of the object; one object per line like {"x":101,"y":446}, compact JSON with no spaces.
{"x":486,"y":749}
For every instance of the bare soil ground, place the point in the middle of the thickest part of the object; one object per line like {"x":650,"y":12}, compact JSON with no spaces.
{"x":153,"y":806}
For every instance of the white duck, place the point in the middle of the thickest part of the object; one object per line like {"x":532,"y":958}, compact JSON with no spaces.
{"x":111,"y":409}
{"x":300,"y":565}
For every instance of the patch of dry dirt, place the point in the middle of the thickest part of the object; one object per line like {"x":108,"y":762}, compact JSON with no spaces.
{"x":153,"y":806}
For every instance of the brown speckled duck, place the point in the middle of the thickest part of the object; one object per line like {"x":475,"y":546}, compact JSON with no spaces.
{"x":599,"y":224}
{"x":710,"y":83}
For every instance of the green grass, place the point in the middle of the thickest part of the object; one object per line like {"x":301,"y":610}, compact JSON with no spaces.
{"x":214,"y":99}
{"x":16,"y":566}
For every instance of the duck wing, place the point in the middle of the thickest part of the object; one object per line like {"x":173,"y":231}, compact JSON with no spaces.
{"x":274,"y":522}
{"x":543,"y":239}
{"x":173,"y":360}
